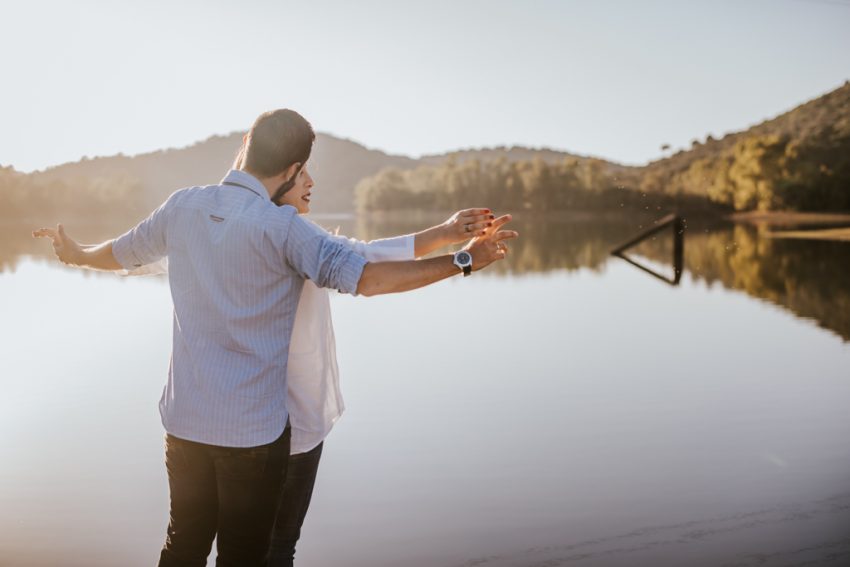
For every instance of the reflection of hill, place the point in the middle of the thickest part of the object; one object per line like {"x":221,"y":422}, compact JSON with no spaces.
{"x":547,"y":242}
{"x":809,"y":278}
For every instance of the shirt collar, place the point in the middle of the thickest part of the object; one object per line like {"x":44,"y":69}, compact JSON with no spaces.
{"x":248,"y":180}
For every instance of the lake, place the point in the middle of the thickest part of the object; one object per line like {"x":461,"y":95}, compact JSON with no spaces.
{"x":563,"y":407}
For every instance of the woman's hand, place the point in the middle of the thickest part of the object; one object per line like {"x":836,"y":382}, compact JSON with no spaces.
{"x":466,"y":224}
{"x":461,"y":226}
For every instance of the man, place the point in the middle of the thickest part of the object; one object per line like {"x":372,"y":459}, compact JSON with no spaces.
{"x":237,"y":262}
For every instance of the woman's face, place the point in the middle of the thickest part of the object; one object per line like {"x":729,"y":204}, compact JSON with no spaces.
{"x":299,"y":195}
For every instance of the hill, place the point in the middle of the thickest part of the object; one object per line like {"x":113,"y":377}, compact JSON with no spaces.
{"x":799,"y":160}
{"x":336,"y":164}
{"x":508,"y":153}
{"x":133,"y":185}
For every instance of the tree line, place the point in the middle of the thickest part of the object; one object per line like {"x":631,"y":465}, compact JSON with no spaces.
{"x":764,"y":173}
{"x":757,"y":173}
{"x":798,"y":161}
{"x":523,"y":185}
{"x":24,"y":199}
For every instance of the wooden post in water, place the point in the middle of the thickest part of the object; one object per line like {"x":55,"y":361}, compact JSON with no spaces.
{"x":660,"y":225}
{"x":678,"y":247}
{"x":678,"y":224}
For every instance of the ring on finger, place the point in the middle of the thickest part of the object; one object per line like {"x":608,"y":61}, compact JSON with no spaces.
{"x":466,"y":228}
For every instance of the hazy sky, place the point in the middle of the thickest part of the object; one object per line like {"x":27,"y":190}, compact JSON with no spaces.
{"x":609,"y":78}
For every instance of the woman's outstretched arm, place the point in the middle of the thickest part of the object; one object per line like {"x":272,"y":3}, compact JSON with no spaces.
{"x":460,"y":227}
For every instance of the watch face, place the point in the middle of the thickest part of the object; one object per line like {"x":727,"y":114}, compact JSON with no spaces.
{"x":464,"y":258}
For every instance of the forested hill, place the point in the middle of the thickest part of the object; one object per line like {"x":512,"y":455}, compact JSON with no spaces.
{"x":336,"y":164}
{"x":509,"y":154}
{"x":799,"y":160}
{"x":129,"y":186}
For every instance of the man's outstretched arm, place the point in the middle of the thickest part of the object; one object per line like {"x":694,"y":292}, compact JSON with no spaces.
{"x":69,"y":251}
{"x":142,"y":244}
{"x":394,"y":277}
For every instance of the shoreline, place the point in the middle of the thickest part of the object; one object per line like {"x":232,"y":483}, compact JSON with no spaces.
{"x":792,"y":218}
{"x":833,"y":234}
{"x":833,"y":227}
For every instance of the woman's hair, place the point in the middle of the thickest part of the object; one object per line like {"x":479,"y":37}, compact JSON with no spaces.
{"x":240,"y":157}
{"x":277,"y":139}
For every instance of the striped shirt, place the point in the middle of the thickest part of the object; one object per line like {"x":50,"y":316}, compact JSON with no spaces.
{"x":237,"y":263}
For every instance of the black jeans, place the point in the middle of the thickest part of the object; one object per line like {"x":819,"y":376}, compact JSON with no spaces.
{"x":295,"y":499}
{"x":228,"y":493}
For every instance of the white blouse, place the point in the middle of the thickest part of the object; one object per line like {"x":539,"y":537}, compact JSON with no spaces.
{"x":314,"y":400}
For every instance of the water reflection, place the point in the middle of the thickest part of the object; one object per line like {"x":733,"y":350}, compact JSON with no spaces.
{"x":609,"y":420}
{"x":809,"y":278}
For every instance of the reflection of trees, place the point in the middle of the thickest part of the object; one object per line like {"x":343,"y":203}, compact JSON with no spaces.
{"x":546,"y":242}
{"x":809,"y":278}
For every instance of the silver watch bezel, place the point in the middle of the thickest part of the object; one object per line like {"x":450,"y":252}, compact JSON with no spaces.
{"x":462,"y":265}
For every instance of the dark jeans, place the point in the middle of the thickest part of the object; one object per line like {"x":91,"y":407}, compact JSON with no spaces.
{"x":226,"y":493}
{"x":297,"y":491}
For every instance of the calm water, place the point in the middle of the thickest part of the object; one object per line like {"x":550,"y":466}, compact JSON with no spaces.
{"x":565,"y":408}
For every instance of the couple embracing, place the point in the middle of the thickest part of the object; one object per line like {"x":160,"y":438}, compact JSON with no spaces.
{"x":253,"y":387}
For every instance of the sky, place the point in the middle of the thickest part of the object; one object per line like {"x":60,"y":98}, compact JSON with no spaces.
{"x":614,"y":79}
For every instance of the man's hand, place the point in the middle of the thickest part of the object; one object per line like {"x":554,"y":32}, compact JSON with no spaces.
{"x":66,"y":248}
{"x":69,"y":251}
{"x":491,"y":246}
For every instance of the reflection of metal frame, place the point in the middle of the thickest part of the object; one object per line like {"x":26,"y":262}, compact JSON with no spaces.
{"x":678,"y":225}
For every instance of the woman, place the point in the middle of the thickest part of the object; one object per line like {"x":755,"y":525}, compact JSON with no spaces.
{"x":314,"y":400}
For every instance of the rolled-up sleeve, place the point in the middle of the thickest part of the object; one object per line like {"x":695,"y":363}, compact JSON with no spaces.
{"x":319,"y":257}
{"x":146,"y":242}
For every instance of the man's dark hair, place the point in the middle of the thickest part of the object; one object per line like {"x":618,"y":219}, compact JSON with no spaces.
{"x":277,"y":139}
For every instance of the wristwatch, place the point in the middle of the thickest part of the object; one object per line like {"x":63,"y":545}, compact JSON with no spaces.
{"x":463,"y":260}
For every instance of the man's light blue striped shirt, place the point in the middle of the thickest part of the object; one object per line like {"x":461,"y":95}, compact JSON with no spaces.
{"x":237,"y":263}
